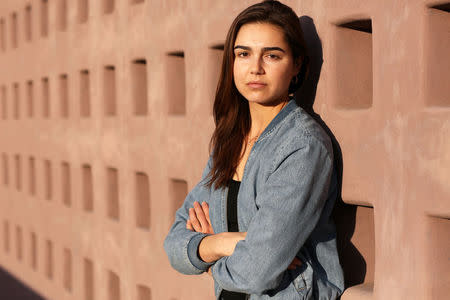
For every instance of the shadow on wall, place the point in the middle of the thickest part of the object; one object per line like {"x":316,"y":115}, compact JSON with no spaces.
{"x":13,"y":289}
{"x":345,"y":215}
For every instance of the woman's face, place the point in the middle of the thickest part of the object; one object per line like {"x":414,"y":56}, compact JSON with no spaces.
{"x":263,"y":64}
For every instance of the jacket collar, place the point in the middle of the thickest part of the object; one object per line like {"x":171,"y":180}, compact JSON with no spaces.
{"x":290,"y":106}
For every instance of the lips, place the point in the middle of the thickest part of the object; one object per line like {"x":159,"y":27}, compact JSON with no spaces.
{"x":256,"y":84}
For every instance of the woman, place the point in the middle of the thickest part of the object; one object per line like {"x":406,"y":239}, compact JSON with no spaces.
{"x":263,"y":229}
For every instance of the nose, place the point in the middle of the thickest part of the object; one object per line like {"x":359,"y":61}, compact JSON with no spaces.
{"x":256,"y":65}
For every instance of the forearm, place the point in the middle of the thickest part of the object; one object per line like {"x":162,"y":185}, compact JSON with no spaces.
{"x":214,"y":247}
{"x":208,"y":250}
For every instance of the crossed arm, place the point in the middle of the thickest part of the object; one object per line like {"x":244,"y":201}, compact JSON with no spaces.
{"x":215,"y":246}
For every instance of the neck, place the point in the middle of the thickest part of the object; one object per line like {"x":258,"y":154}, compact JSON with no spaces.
{"x":261,"y":115}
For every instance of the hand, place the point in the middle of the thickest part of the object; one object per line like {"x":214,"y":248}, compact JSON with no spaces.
{"x":199,"y":220}
{"x":209,"y":271}
{"x":232,"y":238}
{"x":227,"y":241}
{"x":295,"y":263}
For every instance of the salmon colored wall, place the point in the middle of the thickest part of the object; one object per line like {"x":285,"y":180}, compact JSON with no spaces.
{"x":105,"y":119}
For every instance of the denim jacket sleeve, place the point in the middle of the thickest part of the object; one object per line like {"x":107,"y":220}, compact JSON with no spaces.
{"x":290,"y":206}
{"x":181,"y":244}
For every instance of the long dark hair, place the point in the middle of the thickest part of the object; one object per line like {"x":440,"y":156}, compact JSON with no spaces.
{"x":231,"y":110}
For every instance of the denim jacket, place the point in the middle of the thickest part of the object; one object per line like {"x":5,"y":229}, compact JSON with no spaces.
{"x":285,"y":199}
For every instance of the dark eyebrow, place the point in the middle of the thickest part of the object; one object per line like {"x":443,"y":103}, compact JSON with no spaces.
{"x":263,"y":49}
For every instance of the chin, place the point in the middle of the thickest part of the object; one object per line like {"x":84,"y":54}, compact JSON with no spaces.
{"x":263,"y":100}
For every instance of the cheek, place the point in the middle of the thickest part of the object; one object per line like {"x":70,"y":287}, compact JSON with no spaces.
{"x":238,"y":73}
{"x":235,"y":72}
{"x":280,"y":81}
{"x":283,"y":75}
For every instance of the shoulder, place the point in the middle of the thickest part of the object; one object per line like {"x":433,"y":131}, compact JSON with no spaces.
{"x":298,"y":130}
{"x":308,"y":129}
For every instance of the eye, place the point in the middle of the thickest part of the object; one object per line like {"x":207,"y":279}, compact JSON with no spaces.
{"x":242,"y":54}
{"x":273,"y":56}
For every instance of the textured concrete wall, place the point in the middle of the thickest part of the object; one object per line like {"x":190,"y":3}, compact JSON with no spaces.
{"x":105,"y":118}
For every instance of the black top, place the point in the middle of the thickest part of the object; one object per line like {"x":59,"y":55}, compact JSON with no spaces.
{"x":232,"y":227}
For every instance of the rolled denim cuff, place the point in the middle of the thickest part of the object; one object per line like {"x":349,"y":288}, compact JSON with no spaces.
{"x":192,"y":252}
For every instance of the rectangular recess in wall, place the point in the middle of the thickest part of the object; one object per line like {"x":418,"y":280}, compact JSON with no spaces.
{"x":356,"y":243}
{"x":30,"y":98}
{"x":438,"y":262}
{"x":353,"y":69}
{"x":6,"y":237}
{"x":66,"y":184}
{"x":18,"y":170}
{"x":178,"y":190}
{"x":47,"y":180}
{"x":88,"y":279}
{"x":176,"y":83}
{"x":44,"y":18}
{"x":16,"y":99}
{"x":108,"y":6}
{"x":87,"y":188}
{"x":5,"y":169}
{"x":85,"y":94}
{"x":19,"y":243}
{"x":139,"y":86}
{"x":142,"y":200}
{"x":45,"y":98}
{"x":112,"y":193}
{"x":215,"y":58}
{"x":32,"y":176}
{"x":4,"y":103}
{"x":437,"y":64}
{"x":143,"y":292}
{"x":28,"y":23}
{"x":67,"y":269}
{"x":2,"y":35}
{"x":49,"y":259}
{"x":64,"y":95}
{"x":109,"y":90}
{"x":113,"y":286}
{"x":62,"y":15}
{"x":33,"y":251}
{"x":83,"y":11}
{"x":14,"y":30}
{"x":443,"y":7}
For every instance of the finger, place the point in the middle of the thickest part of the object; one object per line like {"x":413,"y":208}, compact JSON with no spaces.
{"x":189,"y":225}
{"x":297,"y":261}
{"x":201,"y":217}
{"x":194,"y":221}
{"x":205,"y":207}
